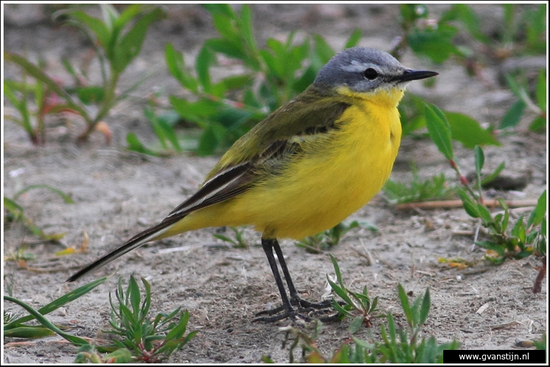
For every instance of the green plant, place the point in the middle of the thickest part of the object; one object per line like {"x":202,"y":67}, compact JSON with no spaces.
{"x":523,"y":237}
{"x":523,"y":31}
{"x":45,"y":102}
{"x":163,"y":126}
{"x":238,"y":242}
{"x":89,"y":353}
{"x":352,"y":301}
{"x":117,"y":40}
{"x":149,"y":339}
{"x":18,"y":327}
{"x":277,"y":68}
{"x":323,"y":241}
{"x":397,"y":345}
{"x":16,"y":213}
{"x":537,"y":107}
{"x":435,"y":188}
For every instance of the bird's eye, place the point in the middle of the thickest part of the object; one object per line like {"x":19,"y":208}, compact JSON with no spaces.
{"x":370,"y":74}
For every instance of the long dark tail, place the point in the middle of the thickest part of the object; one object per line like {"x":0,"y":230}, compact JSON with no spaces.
{"x":134,"y":242}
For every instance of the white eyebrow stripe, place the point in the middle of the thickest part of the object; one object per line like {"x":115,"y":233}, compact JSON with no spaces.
{"x":356,"y":66}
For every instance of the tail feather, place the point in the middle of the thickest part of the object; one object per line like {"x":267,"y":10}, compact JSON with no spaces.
{"x":134,"y":242}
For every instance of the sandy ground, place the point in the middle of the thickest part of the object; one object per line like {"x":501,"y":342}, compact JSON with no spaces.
{"x":119,"y":193}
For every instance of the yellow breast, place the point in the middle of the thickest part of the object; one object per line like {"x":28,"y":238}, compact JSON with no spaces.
{"x":336,"y":175}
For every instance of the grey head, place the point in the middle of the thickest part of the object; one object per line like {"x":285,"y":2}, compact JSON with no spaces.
{"x":364,"y":69}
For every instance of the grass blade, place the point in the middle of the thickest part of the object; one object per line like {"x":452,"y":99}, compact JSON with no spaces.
{"x":45,"y":322}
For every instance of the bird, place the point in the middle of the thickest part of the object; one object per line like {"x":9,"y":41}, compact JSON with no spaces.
{"x":303,"y":169}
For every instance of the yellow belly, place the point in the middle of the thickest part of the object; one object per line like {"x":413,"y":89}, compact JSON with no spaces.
{"x":335,"y":177}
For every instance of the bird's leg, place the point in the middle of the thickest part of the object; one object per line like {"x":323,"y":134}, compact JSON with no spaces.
{"x":267,"y":245}
{"x":286,"y":308}
{"x":302,"y":304}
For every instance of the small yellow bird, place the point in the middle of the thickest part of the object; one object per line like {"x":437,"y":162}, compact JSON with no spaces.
{"x":305,"y":168}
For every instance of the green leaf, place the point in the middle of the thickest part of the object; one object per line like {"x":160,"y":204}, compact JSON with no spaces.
{"x":170,"y":134}
{"x":39,"y":75}
{"x":484,"y":213}
{"x":246,"y":28}
{"x":224,"y":9}
{"x":470,"y":206}
{"x":226,"y":26}
{"x":479,"y":160}
{"x":127,"y":15}
{"x":135,"y":145}
{"x":273,"y":63}
{"x":435,"y":44}
{"x":131,"y":43}
{"x":99,"y":28}
{"x":537,"y":215}
{"x":356,"y":323}
{"x":403,"y":298}
{"x":90,"y":94}
{"x":54,"y":305}
{"x":353,"y":39}
{"x":159,"y":132}
{"x":340,"y":291}
{"x":490,"y":177}
{"x":230,"y":49}
{"x":425,"y":308}
{"x":237,"y":81}
{"x":134,"y":294}
{"x":110,"y":15}
{"x":337,"y":270}
{"x":28,"y":332}
{"x":209,"y":140}
{"x":322,"y":52}
{"x":46,"y":323}
{"x":468,"y":131}
{"x":513,"y":84}
{"x":439,"y":130}
{"x":513,"y":115}
{"x":202,"y":65}
{"x":176,"y":66}
{"x":196,"y":112}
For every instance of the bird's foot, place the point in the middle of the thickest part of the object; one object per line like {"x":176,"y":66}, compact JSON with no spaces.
{"x":305,"y":311}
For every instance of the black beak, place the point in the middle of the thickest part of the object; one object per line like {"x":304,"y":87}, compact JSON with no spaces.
{"x":409,"y":75}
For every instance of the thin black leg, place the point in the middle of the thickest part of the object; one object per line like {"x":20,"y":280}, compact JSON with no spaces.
{"x":286,"y":310}
{"x":291,"y":289}
{"x":268,"y":245}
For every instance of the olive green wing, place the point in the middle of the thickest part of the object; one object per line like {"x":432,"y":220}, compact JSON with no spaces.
{"x":309,"y":113}
{"x":265,"y":145}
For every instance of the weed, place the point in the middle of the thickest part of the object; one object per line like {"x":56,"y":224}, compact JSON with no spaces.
{"x":238,"y":242}
{"x":325,"y":240}
{"x":116,"y":42}
{"x":278,"y":69}
{"x":18,"y":327}
{"x":149,"y":339}
{"x":397,"y":345}
{"x":352,"y":301}
{"x":435,"y":188}
{"x":537,"y":107}
{"x":517,"y":242}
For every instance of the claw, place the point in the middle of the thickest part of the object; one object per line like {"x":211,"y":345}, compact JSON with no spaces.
{"x":303,"y":306}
